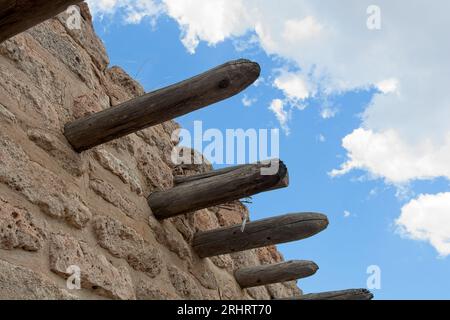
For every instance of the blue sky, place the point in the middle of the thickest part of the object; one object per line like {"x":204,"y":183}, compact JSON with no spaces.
{"x":370,"y":110}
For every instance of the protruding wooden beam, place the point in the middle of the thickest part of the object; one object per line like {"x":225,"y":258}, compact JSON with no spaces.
{"x":18,"y":16}
{"x":219,"y":187}
{"x":352,"y":294}
{"x":275,"y":273}
{"x":259,"y":234}
{"x":162,"y":105}
{"x":177,"y":180}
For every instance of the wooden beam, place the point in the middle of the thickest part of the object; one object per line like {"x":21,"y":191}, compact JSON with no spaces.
{"x":259,"y":234}
{"x":275,"y":273}
{"x":177,"y":180}
{"x":18,"y":16}
{"x":352,"y":294}
{"x":162,"y":105}
{"x":219,"y":187}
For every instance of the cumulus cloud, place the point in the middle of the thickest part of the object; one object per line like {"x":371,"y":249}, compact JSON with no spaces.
{"x":296,"y":91}
{"x":427,"y":218}
{"x":212,"y":21}
{"x":388,"y":85}
{"x":248,"y":102}
{"x":328,"y":113}
{"x":99,"y":7}
{"x":386,"y":155}
{"x":301,"y":30}
{"x":277,"y":107}
{"x":133,"y":11}
{"x":294,"y":86}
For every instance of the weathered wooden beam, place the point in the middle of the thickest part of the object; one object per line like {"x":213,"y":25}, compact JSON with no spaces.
{"x":218,"y":188}
{"x":259,"y":234}
{"x":275,"y":273}
{"x":352,"y":294}
{"x":18,"y":16}
{"x":177,"y":180}
{"x":162,"y":105}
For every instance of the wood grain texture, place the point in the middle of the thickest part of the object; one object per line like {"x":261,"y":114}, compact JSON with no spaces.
{"x":162,"y":105}
{"x":177,"y":180}
{"x":17,"y":16}
{"x":275,"y":273}
{"x":351,"y":294}
{"x":262,"y":233}
{"x":217,"y":188}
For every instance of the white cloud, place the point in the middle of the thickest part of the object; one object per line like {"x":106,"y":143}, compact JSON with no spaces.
{"x":373,"y":192}
{"x":387,"y":86}
{"x":347,"y":214}
{"x":277,"y":107}
{"x":212,"y":21}
{"x":427,"y":218}
{"x":259,"y":82}
{"x":295,"y":89}
{"x":133,"y":10}
{"x":328,"y":113}
{"x":248,"y":102}
{"x":103,"y":6}
{"x":386,"y":155}
{"x":244,"y":44}
{"x":301,"y":30}
{"x":293,"y":85}
{"x":321,"y":138}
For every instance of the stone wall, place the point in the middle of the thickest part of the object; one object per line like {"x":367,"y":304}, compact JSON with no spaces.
{"x":60,"y":209}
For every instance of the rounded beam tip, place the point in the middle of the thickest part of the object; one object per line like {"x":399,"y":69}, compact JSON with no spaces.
{"x":251,"y":68}
{"x":365,"y":292}
{"x":320,"y":219}
{"x":313,"y":266}
{"x":324,"y":221}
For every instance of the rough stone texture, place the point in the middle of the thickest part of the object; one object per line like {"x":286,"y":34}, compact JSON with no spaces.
{"x":97,"y":272}
{"x":17,"y":229}
{"x":224,"y":262}
{"x":57,"y":149}
{"x":258,"y":293}
{"x":118,"y":168}
{"x":111,"y":195}
{"x":144,"y":291}
{"x":6,"y":116}
{"x":184,"y":284}
{"x":59,"y":208}
{"x":18,"y":283}
{"x":123,"y":242}
{"x":39,"y":185}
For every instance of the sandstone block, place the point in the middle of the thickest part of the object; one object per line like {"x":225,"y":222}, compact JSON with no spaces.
{"x":63,"y":153}
{"x":223,"y":262}
{"x":18,"y":283}
{"x":118,"y":168}
{"x":97,"y":273}
{"x":184,"y":284}
{"x":6,"y":115}
{"x":40,"y":186}
{"x":110,"y":194}
{"x":147,"y":291}
{"x":18,"y":230}
{"x":124,"y":242}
